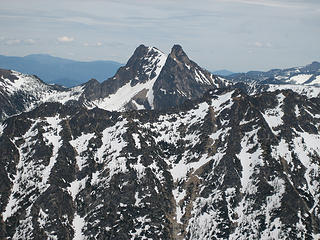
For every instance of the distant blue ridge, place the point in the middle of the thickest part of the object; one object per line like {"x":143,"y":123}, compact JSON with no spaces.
{"x":223,"y":72}
{"x":55,"y":70}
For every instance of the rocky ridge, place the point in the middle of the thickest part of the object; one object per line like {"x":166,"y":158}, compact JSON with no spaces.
{"x":227,"y":166}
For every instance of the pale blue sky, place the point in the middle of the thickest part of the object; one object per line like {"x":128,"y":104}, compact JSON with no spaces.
{"x":238,"y":35}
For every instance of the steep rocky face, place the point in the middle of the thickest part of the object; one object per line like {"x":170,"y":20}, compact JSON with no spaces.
{"x":228,"y":166}
{"x":182,"y":79}
{"x":131,"y":87}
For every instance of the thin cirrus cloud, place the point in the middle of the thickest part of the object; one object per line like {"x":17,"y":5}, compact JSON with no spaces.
{"x":276,"y":31}
{"x":259,"y":44}
{"x":15,"y":41}
{"x":65,"y":39}
{"x":12,"y":42}
{"x":30,"y":41}
{"x":275,"y":4}
{"x":98,"y":44}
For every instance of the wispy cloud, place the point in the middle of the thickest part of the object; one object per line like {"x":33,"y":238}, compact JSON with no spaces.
{"x":12,"y":42}
{"x":97,"y":44}
{"x":15,"y":41}
{"x":29,"y":41}
{"x":272,"y":3}
{"x":65,"y":39}
{"x":259,"y":44}
{"x":265,"y":27}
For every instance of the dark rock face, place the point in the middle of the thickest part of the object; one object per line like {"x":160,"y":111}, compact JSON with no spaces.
{"x":227,"y":166}
{"x":182,"y":79}
{"x":7,"y":74}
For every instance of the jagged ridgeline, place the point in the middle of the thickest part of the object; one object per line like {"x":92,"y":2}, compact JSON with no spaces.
{"x":149,"y":80}
{"x":175,"y":161}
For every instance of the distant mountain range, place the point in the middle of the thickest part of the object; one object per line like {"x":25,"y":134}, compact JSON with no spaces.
{"x":60,"y":71}
{"x":304,"y":75}
{"x":223,"y":72}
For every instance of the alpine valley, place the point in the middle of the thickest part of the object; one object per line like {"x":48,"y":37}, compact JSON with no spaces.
{"x":162,"y":150}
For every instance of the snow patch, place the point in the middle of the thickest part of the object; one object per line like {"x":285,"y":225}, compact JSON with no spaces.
{"x":249,"y":161}
{"x":110,"y":151}
{"x":43,"y":218}
{"x":136,"y":139}
{"x":316,"y":81}
{"x":299,"y":79}
{"x":273,"y":228}
{"x":2,"y":127}
{"x":78,"y":224}
{"x":178,"y":196}
{"x":80,"y":144}
{"x":309,"y":91}
{"x":53,"y":139}
{"x":274,"y":116}
{"x":76,"y":186}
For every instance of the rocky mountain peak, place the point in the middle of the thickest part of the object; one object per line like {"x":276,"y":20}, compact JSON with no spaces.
{"x":178,"y":54}
{"x":153,"y":80}
{"x":181,"y":79}
{"x":7,"y":74}
{"x":314,"y":66}
{"x":138,"y":53}
{"x":91,"y":89}
{"x":131,"y":86}
{"x":92,"y":82}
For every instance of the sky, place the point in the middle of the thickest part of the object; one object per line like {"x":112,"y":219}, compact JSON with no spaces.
{"x":238,"y":35}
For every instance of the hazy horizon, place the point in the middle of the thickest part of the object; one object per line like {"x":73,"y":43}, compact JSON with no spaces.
{"x":237,"y":35}
{"x":123,"y":63}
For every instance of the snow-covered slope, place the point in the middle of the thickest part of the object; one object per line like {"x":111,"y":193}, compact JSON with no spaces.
{"x":309,"y":91}
{"x":138,"y":83}
{"x":228,"y":166}
{"x":20,"y":92}
{"x":256,"y":88}
{"x":306,"y":75}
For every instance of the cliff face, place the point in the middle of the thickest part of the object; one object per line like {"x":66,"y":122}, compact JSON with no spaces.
{"x":227,"y":166}
{"x":182,"y":79}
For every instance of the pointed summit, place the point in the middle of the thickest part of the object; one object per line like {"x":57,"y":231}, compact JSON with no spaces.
{"x":139,"y":53}
{"x":181,"y":79}
{"x":131,"y":86}
{"x":178,"y":54}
